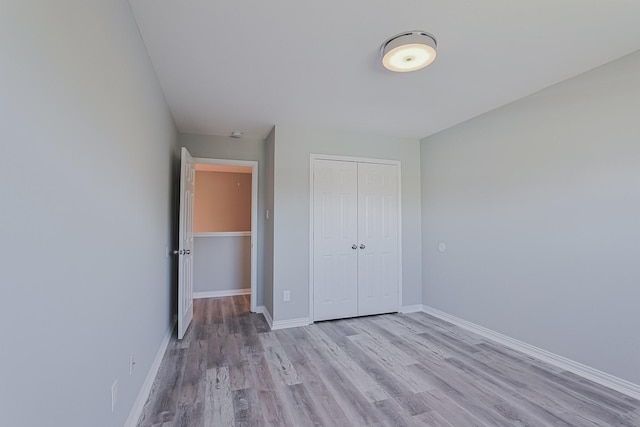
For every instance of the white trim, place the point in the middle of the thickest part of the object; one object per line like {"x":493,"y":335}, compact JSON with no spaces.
{"x":291,"y":323}
{"x":223,"y":234}
{"x":397,"y":163}
{"x":399,"y":235}
{"x":354,"y":159}
{"x":412,"y":308}
{"x":267,"y":316}
{"x":602,"y":378}
{"x":145,"y":390}
{"x":218,"y":294}
{"x":254,"y":215}
{"x":311,"y":242}
{"x":281,"y":324}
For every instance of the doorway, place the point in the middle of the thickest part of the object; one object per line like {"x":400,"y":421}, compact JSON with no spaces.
{"x":225,"y":228}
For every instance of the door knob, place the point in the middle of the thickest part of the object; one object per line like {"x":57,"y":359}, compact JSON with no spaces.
{"x":187,"y":251}
{"x":176,"y":253}
{"x":362,"y":246}
{"x":354,"y":247}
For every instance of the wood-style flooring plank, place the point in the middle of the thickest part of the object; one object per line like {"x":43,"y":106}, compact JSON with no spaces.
{"x":348,"y":367}
{"x":542,"y":387}
{"x":301,"y":354}
{"x":395,"y":379}
{"x":392,"y":415}
{"x":190,"y":416}
{"x":194,"y":375}
{"x":448,"y":409}
{"x":246,"y":408}
{"x":279,"y":363}
{"x":383,"y":349}
{"x":163,"y":407}
{"x":376,"y":371}
{"x":218,"y":399}
{"x":432,"y":418}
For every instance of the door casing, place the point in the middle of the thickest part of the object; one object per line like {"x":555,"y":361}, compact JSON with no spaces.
{"x":254,"y":216}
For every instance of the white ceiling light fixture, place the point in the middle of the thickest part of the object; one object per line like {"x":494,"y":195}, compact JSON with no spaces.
{"x":236,"y":134}
{"x":408,"y":51}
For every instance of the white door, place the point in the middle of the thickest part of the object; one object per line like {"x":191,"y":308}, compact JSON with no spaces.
{"x":355,"y":239}
{"x":377,"y":238}
{"x":335,"y":205}
{"x":185,"y":238}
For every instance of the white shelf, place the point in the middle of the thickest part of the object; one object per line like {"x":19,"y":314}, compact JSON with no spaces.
{"x":224,"y":234}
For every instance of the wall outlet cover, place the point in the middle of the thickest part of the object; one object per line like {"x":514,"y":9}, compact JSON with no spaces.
{"x":132,"y":362}
{"x":114,"y":395}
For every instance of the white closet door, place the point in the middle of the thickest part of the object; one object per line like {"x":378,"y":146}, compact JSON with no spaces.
{"x":378,"y":238}
{"x":335,"y":273}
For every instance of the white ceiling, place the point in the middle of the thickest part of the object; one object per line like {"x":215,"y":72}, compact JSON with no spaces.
{"x":227,"y":65}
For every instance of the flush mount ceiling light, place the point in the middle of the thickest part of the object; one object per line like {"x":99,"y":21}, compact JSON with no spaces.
{"x":408,"y":51}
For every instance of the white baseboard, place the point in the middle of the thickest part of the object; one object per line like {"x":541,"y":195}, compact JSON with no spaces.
{"x":411,"y":308}
{"x":291,"y":323}
{"x":281,"y":324}
{"x":218,"y":294}
{"x":143,"y":394}
{"x":602,"y":378}
{"x":267,"y":316}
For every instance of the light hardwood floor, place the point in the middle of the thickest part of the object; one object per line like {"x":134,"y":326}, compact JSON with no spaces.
{"x":389,"y":370}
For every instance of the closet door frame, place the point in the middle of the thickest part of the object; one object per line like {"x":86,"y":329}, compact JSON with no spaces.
{"x":312,"y":159}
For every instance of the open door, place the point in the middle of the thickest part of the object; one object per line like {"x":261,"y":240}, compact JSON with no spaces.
{"x":185,"y":239}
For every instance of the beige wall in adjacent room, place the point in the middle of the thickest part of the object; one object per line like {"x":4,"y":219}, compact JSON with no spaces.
{"x":222,"y":202}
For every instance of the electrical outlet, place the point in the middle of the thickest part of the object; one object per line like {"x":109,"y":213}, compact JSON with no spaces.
{"x":132,"y":362}
{"x":287,"y":296}
{"x":114,"y":395}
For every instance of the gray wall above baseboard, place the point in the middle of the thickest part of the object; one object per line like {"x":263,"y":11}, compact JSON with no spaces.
{"x":221,"y":263}
{"x":538,"y":203}
{"x":86,"y":182}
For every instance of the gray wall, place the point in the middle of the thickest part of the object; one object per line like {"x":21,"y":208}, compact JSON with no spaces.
{"x":224,"y":147}
{"x":293,"y":147}
{"x":539,"y":205}
{"x":222,"y":263}
{"x":269,"y":153}
{"x":85,"y":183}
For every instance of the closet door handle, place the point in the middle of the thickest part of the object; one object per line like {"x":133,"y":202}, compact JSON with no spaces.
{"x":362,"y":246}
{"x":354,"y":247}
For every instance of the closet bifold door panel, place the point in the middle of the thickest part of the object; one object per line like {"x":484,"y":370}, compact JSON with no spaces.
{"x":335,"y":230}
{"x":355,"y":239}
{"x":377,"y":238}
